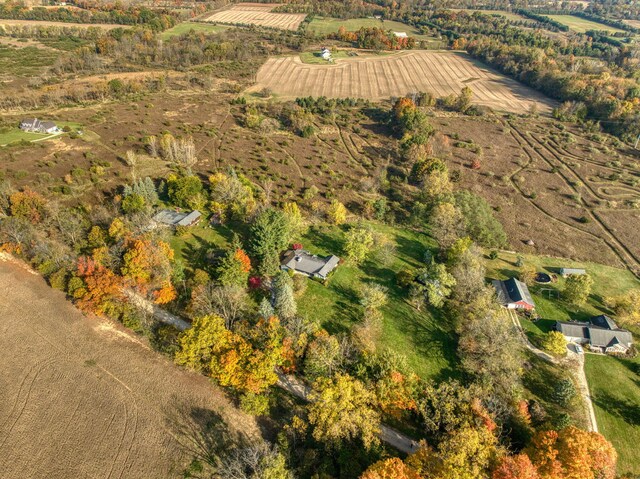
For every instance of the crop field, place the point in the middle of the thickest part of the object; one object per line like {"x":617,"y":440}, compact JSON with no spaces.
{"x":107,"y":26}
{"x":549,"y":183}
{"x":82,"y":397}
{"x":378,"y":78}
{"x":257,"y":14}
{"x":582,"y":25}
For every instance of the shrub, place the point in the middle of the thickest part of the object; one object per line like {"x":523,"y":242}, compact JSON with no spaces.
{"x":255,"y":404}
{"x":405,"y":277}
{"x":493,"y":254}
{"x":58,"y":280}
{"x":555,"y":343}
{"x":564,"y":392}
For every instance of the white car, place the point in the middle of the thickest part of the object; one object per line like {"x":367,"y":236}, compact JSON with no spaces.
{"x":579,"y":349}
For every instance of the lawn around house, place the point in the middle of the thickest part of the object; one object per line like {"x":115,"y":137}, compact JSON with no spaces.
{"x":423,"y":337}
{"x":14,"y":134}
{"x":608,"y":281}
{"x":615,"y":389}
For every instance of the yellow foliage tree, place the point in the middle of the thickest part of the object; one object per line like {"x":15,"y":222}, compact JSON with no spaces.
{"x":337,"y":213}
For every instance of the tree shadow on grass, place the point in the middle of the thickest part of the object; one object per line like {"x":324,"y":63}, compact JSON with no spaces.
{"x":628,"y":411}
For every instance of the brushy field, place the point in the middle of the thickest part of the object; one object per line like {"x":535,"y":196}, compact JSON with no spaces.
{"x":582,"y":25}
{"x":83,"y":397}
{"x":422,"y":336}
{"x":186,"y":27}
{"x":257,"y":14}
{"x":615,"y":388}
{"x":378,"y":78}
{"x":107,"y":26}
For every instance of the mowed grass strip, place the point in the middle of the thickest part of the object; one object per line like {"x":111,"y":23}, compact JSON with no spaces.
{"x":615,"y":389}
{"x":582,"y":25}
{"x":186,"y":27}
{"x":423,"y":337}
{"x":514,"y":17}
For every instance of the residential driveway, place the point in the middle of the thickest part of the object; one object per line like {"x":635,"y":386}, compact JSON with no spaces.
{"x":577,"y":363}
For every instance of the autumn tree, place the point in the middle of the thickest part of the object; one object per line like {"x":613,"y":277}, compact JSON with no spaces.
{"x":270,"y":234}
{"x":230,"y":302}
{"x":231,"y":195}
{"x":515,"y":467}
{"x":28,"y":204}
{"x":323,"y":356}
{"x":528,"y":274}
{"x":572,"y":453}
{"x":297,"y":223}
{"x":358,"y":244}
{"x":577,"y":288}
{"x":555,"y":343}
{"x":337,"y":213}
{"x":445,"y":224}
{"x":147,"y":262}
{"x":626,"y":306}
{"x":393,"y":468}
{"x":245,"y":362}
{"x":234,"y":267}
{"x":342,"y":409}
{"x":435,"y":283}
{"x":186,"y":191}
{"x":100,"y":290}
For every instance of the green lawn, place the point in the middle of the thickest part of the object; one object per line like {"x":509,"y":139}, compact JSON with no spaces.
{"x":326,"y":25}
{"x":514,"y":17}
{"x":14,"y":135}
{"x":186,"y":27}
{"x":615,"y":389}
{"x":423,"y":337}
{"x":582,"y":25}
{"x":608,"y":281}
{"x":191,"y":248}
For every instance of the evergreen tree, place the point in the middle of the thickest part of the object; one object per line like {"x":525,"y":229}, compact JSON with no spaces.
{"x":284,"y":303}
{"x":270,"y":234}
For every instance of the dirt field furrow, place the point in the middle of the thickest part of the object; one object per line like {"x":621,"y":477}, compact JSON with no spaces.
{"x":396,"y":74}
{"x":86,"y":399}
{"x":254,"y":14}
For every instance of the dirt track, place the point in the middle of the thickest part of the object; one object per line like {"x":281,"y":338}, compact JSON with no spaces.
{"x":81,"y":397}
{"x":378,"y":78}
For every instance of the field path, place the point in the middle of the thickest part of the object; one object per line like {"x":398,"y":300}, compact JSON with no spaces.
{"x":83,"y":397}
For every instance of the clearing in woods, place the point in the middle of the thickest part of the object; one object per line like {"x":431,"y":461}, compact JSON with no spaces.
{"x":581,"y":25}
{"x":82,"y":397}
{"x":378,"y":78}
{"x":257,"y":14}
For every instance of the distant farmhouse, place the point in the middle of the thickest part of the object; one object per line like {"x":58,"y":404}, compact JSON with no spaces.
{"x":302,"y":262}
{"x":564,"y":272}
{"x":401,"y":34}
{"x":325,"y":53}
{"x":33,"y":125}
{"x":175,"y":218}
{"x":513,"y":294}
{"x":601,"y":333}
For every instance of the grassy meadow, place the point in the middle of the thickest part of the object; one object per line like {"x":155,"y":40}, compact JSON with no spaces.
{"x":326,"y":25}
{"x":615,"y":388}
{"x":186,"y":27}
{"x":582,"y":25}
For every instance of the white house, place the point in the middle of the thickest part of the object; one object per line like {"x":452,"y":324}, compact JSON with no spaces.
{"x":325,"y":53}
{"x":37,"y":126}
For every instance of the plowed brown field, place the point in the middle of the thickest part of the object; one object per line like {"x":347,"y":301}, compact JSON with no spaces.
{"x":378,"y":78}
{"x":81,"y":397}
{"x":257,"y":14}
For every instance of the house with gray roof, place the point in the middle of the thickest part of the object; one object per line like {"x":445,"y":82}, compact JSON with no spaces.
{"x":513,"y":294}
{"x":34,"y":125}
{"x":177,"y":218}
{"x":564,"y":272}
{"x":302,"y":262}
{"x":601,"y":333}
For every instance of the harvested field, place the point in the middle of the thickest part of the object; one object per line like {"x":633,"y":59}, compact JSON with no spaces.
{"x":378,"y":78}
{"x":257,"y":14}
{"x":108,"y":26}
{"x":83,"y":397}
{"x":633,"y":23}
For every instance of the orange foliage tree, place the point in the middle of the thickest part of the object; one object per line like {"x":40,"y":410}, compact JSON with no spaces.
{"x":147,"y":262}
{"x":393,"y":468}
{"x":572,"y":454}
{"x":515,"y":467}
{"x":28,"y":204}
{"x":102,"y":292}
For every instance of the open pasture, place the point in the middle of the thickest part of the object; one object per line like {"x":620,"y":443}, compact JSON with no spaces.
{"x":326,"y":25}
{"x":257,"y":14}
{"x":582,"y":25}
{"x":82,"y":397}
{"x":514,"y":17}
{"x":378,"y":78}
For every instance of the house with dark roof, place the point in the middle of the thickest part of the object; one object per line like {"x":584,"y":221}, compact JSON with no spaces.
{"x":34,"y":125}
{"x":302,"y":262}
{"x":601,"y":333}
{"x":177,"y":218}
{"x":513,"y":294}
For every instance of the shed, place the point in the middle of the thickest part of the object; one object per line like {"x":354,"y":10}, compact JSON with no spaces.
{"x":564,"y":272}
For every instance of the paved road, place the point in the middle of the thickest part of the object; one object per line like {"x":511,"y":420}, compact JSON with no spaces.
{"x":574,"y":360}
